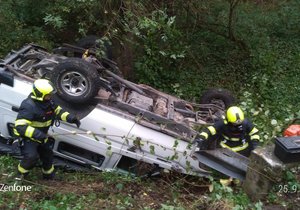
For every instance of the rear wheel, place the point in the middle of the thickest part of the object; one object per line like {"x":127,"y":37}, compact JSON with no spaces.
{"x":219,"y":97}
{"x":76,"y":80}
{"x":214,"y":103}
{"x":90,"y":42}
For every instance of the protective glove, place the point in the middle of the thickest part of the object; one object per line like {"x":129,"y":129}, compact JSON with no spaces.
{"x":254,"y":144}
{"x":75,"y":120}
{"x":198,"y":141}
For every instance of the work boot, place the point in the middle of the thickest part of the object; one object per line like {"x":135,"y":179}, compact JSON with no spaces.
{"x":226,"y":182}
{"x":49,"y":176}
{"x":52,"y":176}
{"x":236,"y":182}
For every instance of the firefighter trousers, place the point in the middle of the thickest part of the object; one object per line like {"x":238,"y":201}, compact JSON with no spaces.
{"x":32,"y":152}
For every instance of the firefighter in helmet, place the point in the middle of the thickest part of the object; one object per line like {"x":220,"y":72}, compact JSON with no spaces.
{"x":234,"y":132}
{"x":36,"y":114}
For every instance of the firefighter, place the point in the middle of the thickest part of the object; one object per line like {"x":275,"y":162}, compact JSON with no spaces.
{"x":36,"y":114}
{"x":234,"y":132}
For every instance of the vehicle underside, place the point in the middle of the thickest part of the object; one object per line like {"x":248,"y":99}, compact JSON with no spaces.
{"x":167,"y":113}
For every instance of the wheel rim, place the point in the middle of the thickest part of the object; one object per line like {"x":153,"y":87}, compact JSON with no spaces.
{"x":74,"y":83}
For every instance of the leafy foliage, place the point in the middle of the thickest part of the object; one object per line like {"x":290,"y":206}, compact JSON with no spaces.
{"x":17,"y":26}
{"x":46,"y":23}
{"x":183,"y":47}
{"x":232,"y":199}
{"x":161,"y":46}
{"x":68,"y":20}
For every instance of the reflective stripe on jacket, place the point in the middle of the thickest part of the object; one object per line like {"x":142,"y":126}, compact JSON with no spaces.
{"x":236,"y":138}
{"x":35,"y":118}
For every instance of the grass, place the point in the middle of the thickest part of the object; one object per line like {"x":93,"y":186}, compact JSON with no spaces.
{"x":105,"y":190}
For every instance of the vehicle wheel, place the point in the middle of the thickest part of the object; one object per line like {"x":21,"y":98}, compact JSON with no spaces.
{"x":76,"y":80}
{"x":90,"y":42}
{"x":220,"y":97}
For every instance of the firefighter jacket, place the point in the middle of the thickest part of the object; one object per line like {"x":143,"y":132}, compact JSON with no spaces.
{"x":35,"y":118}
{"x":236,"y":138}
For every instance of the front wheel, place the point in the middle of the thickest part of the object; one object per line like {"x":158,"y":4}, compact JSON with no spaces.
{"x":76,"y":80}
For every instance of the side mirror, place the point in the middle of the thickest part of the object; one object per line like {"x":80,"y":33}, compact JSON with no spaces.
{"x":6,"y":78}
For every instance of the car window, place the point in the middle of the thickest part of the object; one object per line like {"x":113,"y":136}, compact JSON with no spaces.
{"x":79,"y":153}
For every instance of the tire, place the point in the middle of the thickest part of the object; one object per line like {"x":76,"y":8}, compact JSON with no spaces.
{"x":76,"y":80}
{"x":219,"y":97}
{"x":90,"y":42}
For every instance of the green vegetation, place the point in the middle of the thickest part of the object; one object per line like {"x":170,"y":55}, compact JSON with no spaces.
{"x":108,"y":190}
{"x":183,"y":47}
